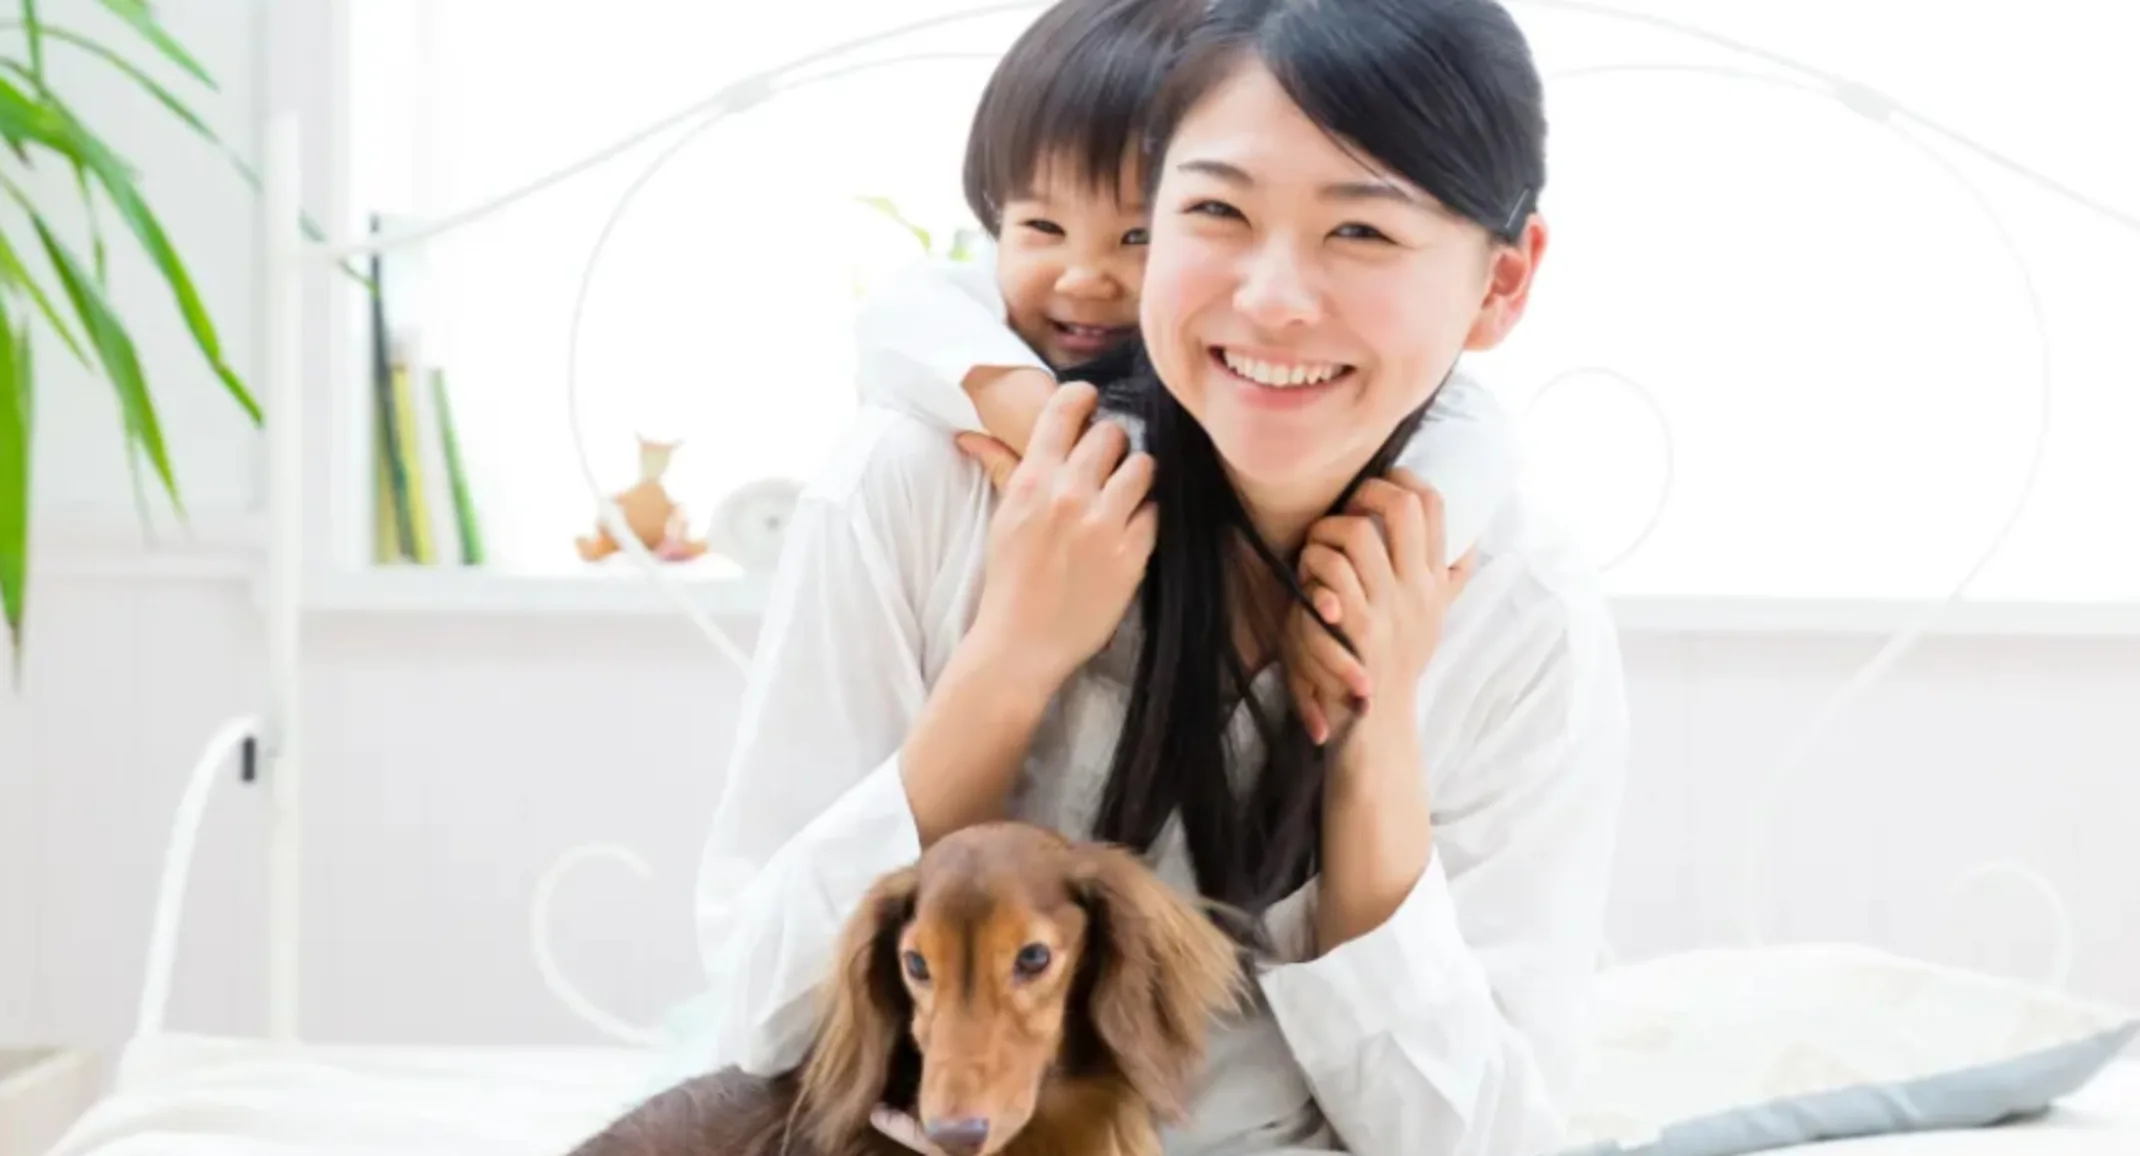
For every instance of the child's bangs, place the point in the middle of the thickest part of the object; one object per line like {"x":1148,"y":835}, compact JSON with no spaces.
{"x":1074,"y":90}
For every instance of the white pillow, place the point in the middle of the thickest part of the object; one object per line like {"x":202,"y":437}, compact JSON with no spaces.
{"x":1713,"y":1052}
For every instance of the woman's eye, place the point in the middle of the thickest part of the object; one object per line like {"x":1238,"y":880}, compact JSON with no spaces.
{"x":1032,"y":959}
{"x":1218,"y":209}
{"x":917,"y":967}
{"x":1359,"y":232}
{"x":1137,"y":237}
{"x":1041,"y":225}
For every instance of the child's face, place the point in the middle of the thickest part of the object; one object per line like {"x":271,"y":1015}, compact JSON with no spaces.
{"x":1070,"y":262}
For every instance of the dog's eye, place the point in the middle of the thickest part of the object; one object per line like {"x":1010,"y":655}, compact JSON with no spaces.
{"x":917,"y":967}
{"x":1032,"y":959}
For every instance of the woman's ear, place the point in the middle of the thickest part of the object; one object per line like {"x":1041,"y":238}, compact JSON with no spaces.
{"x":1161,"y":972}
{"x":1510,"y":272}
{"x":864,"y":1024}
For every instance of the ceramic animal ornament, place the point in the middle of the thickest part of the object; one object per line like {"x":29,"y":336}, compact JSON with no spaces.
{"x":653,"y":516}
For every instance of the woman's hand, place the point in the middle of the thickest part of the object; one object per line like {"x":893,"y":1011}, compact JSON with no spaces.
{"x":1069,"y":542}
{"x":1388,"y":591}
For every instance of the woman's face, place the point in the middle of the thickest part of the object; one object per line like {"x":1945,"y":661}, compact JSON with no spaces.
{"x":1299,"y":302}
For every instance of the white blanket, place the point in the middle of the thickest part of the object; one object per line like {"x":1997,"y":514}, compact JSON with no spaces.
{"x":181,"y":1095}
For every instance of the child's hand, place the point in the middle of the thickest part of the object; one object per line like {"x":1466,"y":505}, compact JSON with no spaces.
{"x":1009,"y":402}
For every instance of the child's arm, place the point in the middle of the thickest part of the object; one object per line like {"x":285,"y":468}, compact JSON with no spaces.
{"x":933,"y":342}
{"x":1466,"y":450}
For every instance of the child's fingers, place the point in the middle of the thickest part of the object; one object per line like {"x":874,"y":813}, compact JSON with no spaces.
{"x":993,"y":456}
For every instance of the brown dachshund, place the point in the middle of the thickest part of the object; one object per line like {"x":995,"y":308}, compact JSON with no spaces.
{"x":1014,"y":992}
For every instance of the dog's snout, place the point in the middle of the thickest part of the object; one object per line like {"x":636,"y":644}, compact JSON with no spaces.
{"x":960,"y":1136}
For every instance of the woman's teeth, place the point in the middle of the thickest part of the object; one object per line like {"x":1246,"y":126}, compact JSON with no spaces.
{"x":1282,"y":375}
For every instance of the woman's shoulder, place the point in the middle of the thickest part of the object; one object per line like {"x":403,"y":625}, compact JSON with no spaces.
{"x":901,"y":483}
{"x":1540,"y":594}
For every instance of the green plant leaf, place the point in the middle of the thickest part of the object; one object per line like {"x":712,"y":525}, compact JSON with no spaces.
{"x":162,"y":95}
{"x":15,"y":274}
{"x":23,"y":119}
{"x":137,"y":15}
{"x":33,"y":30}
{"x":151,"y":235}
{"x":99,"y":255}
{"x":116,"y":350}
{"x":884,"y":205}
{"x":17,"y":422}
{"x":176,"y":107}
{"x":74,"y":139}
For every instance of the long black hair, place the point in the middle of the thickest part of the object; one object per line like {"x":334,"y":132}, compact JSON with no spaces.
{"x":1444,"y":94}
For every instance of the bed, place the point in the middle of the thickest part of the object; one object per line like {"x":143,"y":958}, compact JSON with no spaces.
{"x":175,"y":1095}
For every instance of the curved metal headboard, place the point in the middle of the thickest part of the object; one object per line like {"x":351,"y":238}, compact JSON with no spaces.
{"x":289,"y":255}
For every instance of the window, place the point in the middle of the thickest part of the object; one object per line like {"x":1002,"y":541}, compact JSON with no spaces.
{"x":1816,"y":328}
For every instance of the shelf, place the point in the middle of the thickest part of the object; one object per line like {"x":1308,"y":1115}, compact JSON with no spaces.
{"x":476,"y":592}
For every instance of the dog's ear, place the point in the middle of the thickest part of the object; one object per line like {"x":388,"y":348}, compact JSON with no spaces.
{"x":866,"y":1011}
{"x":1160,"y":972}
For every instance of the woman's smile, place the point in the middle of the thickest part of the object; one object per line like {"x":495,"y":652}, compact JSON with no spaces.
{"x":1270,"y":379}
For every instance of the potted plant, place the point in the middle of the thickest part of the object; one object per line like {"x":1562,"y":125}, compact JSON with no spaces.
{"x":53,"y":296}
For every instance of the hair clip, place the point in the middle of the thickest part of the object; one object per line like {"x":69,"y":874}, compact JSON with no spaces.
{"x":1515,"y":212}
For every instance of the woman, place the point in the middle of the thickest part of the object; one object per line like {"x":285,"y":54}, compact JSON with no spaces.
{"x":1343,"y":201}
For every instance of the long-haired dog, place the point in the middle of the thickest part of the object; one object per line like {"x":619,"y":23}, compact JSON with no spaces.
{"x":1014,"y":992}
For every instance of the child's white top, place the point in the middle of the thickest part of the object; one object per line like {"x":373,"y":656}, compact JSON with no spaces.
{"x":1455,"y":1028}
{"x":917,"y":335}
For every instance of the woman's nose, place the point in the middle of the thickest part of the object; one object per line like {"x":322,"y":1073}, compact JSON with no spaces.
{"x":1276,"y":291}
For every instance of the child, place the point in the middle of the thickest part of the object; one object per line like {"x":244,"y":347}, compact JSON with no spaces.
{"x":1050,"y":175}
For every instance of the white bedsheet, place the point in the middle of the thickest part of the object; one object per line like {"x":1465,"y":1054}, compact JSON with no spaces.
{"x":182,"y":1095}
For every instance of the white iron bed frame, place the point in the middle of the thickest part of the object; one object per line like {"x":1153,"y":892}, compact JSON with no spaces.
{"x":276,"y":736}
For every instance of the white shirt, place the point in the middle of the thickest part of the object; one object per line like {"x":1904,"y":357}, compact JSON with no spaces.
{"x":1451,"y":1030}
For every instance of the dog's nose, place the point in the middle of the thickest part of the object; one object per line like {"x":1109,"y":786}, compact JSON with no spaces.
{"x":959,"y":1137}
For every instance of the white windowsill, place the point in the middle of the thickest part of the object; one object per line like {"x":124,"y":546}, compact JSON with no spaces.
{"x":227,"y":548}
{"x":472,"y":592}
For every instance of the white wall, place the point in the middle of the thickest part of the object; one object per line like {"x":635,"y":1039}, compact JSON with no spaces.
{"x":455,"y":758}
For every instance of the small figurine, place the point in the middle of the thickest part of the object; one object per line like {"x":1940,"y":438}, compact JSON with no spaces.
{"x":655,"y":518}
